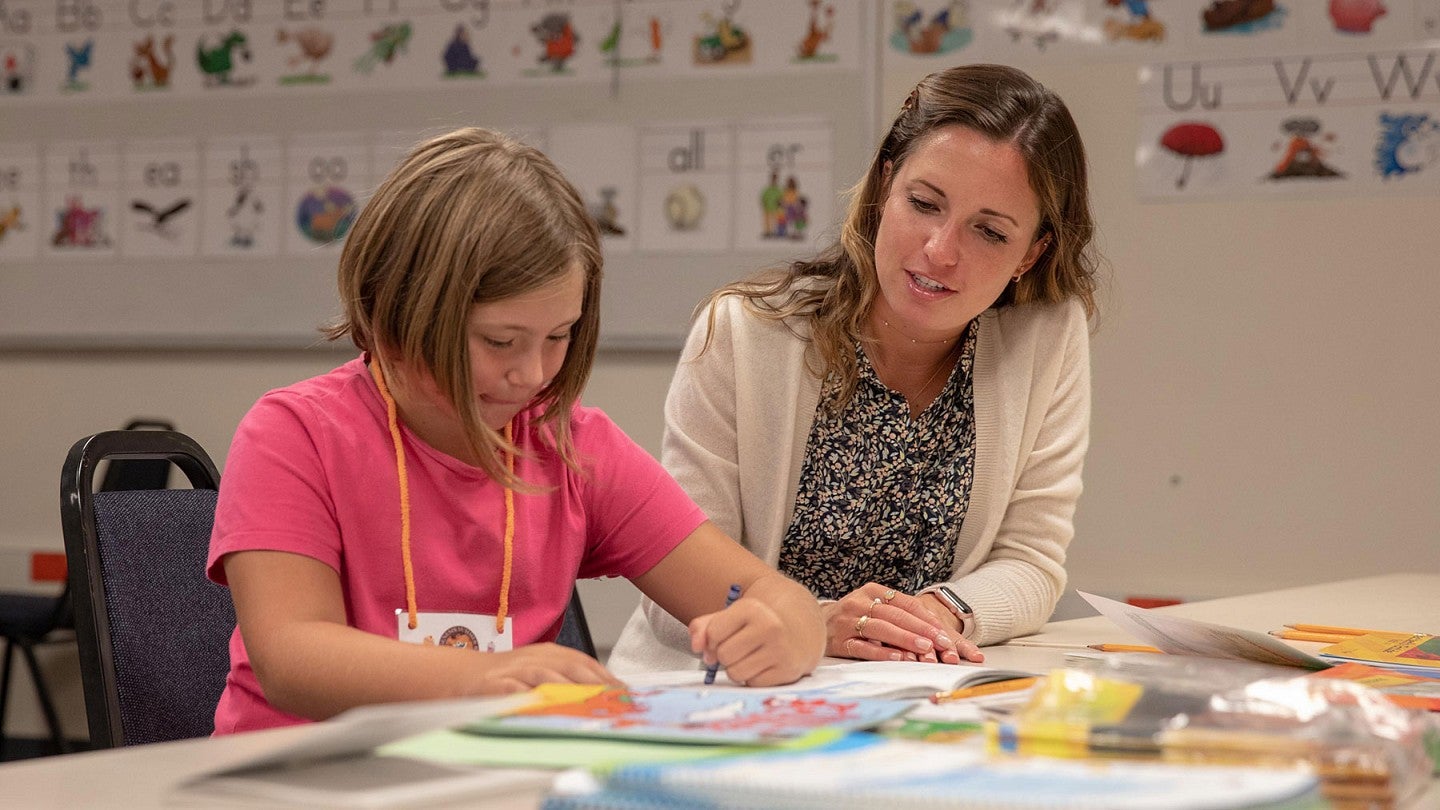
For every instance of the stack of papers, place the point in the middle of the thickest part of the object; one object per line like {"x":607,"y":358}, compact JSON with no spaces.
{"x":1181,"y":636}
{"x":1411,"y":653}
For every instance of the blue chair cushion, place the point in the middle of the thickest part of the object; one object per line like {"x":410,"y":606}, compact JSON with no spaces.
{"x":169,"y":626}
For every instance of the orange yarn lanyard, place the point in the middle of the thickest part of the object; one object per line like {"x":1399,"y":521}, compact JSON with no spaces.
{"x":509,"y":534}
{"x":392,"y":417}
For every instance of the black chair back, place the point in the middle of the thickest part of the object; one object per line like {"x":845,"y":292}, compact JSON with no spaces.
{"x":575,"y":631}
{"x":153,"y":632}
{"x":126,"y":474}
{"x":122,"y":475}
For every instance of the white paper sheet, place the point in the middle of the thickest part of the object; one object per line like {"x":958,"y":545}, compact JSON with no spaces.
{"x":1181,"y":636}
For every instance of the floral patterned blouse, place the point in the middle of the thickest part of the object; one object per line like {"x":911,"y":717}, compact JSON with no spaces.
{"x":881,"y":496}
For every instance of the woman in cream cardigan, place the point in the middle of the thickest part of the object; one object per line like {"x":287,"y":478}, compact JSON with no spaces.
{"x":900,"y":423}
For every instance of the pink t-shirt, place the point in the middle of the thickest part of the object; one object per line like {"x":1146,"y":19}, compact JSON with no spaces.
{"x":312,"y":471}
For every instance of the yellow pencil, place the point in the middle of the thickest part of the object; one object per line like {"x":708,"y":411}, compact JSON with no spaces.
{"x":1300,"y":635}
{"x":993,"y":688}
{"x":1124,"y":648}
{"x":1336,"y":631}
{"x":1051,"y":645}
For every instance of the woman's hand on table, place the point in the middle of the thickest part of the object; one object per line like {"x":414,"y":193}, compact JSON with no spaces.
{"x":878,"y":623}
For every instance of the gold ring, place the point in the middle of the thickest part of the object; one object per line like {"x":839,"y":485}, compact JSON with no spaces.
{"x":889,"y":594}
{"x":860,"y":625}
{"x":874,"y":603}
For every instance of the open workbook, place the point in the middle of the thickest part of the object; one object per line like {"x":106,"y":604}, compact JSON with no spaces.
{"x":896,"y":680}
{"x":908,"y":679}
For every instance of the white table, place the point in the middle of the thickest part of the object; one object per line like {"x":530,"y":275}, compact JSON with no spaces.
{"x":143,"y":776}
{"x":1400,"y":602}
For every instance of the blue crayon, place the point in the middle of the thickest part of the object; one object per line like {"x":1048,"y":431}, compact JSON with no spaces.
{"x":715,"y":667}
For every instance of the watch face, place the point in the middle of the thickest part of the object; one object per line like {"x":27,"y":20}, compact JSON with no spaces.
{"x":955,"y":603}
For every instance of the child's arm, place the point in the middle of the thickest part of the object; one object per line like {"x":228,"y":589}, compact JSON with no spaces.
{"x":310,"y":663}
{"x":772,"y":635}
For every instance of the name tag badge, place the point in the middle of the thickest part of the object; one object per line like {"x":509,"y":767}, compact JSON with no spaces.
{"x":468,"y":631}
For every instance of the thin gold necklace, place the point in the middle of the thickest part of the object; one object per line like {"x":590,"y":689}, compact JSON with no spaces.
{"x":924,"y":387}
{"x":918,"y":342}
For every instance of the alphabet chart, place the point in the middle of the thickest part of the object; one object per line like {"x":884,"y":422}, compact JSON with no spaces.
{"x":186,"y":172}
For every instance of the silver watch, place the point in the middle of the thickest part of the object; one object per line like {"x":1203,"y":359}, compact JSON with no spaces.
{"x":955,"y":605}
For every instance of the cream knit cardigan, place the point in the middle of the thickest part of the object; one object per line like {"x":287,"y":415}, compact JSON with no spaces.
{"x":738,"y":416}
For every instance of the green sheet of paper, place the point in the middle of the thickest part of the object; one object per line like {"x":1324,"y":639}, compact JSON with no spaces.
{"x":545,"y":752}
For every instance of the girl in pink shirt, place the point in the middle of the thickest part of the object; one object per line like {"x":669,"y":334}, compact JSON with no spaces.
{"x":411,"y":524}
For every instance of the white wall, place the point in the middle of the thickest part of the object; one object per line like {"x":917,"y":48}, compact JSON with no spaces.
{"x":1265,"y":377}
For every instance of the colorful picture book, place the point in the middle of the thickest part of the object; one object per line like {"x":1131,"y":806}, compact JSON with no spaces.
{"x":690,"y":714}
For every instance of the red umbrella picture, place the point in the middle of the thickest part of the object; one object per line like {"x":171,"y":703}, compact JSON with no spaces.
{"x":1191,"y":140}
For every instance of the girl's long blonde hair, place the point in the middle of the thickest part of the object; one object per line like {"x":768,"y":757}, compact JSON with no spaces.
{"x":468,"y":217}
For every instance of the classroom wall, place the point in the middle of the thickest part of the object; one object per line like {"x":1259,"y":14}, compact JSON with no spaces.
{"x":1264,"y":372}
